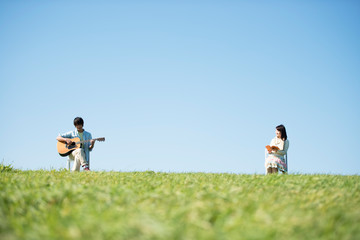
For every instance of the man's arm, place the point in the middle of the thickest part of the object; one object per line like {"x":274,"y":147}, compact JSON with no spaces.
{"x":92,"y":143}
{"x":64,"y":140}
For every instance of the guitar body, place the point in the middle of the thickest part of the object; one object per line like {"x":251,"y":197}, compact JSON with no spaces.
{"x":65,"y":149}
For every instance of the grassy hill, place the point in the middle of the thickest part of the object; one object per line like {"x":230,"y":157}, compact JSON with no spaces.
{"x":149,"y":205}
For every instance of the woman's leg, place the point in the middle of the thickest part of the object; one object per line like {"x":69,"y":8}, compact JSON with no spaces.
{"x":274,"y":170}
{"x":268,"y":171}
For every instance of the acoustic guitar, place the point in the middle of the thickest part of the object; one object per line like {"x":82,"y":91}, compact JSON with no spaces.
{"x":64,"y":149}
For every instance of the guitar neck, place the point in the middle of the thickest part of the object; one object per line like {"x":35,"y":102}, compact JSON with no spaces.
{"x":84,"y":141}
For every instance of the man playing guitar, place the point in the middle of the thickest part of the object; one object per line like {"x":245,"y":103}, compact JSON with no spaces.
{"x":81,"y":156}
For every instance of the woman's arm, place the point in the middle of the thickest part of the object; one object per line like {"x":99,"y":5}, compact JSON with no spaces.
{"x":272,"y":143}
{"x":286,"y":147}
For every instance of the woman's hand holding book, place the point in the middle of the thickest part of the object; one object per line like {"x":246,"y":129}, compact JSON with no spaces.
{"x":272,"y":148}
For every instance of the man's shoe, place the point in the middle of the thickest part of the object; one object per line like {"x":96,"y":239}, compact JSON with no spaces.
{"x":86,"y":169}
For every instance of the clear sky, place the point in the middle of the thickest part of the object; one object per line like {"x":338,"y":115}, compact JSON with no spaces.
{"x":179,"y":86}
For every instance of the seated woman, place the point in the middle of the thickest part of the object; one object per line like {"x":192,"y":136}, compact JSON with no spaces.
{"x":276,"y":160}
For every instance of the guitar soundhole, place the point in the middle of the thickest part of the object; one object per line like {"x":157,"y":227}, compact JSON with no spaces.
{"x":72,"y":145}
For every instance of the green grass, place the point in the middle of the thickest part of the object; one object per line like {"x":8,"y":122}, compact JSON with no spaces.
{"x":149,"y":205}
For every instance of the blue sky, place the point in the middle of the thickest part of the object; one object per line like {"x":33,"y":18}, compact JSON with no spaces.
{"x":182,"y":86}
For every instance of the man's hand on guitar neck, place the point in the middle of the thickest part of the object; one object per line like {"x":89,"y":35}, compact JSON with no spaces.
{"x":92,"y":142}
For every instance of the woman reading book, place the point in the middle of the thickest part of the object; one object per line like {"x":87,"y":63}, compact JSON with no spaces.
{"x":277,"y":150}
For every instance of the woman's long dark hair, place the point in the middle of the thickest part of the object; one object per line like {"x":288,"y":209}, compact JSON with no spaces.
{"x":282,"y":130}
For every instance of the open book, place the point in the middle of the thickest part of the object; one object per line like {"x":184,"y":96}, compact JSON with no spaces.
{"x":271,"y":148}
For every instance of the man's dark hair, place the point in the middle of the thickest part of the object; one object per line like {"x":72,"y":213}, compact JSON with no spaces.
{"x":78,"y":121}
{"x":282,"y":130}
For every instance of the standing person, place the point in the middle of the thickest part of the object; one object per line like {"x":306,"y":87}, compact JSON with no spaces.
{"x":276,"y":160}
{"x":81,"y":156}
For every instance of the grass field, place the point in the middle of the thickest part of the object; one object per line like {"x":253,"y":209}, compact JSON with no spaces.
{"x":149,"y":205}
